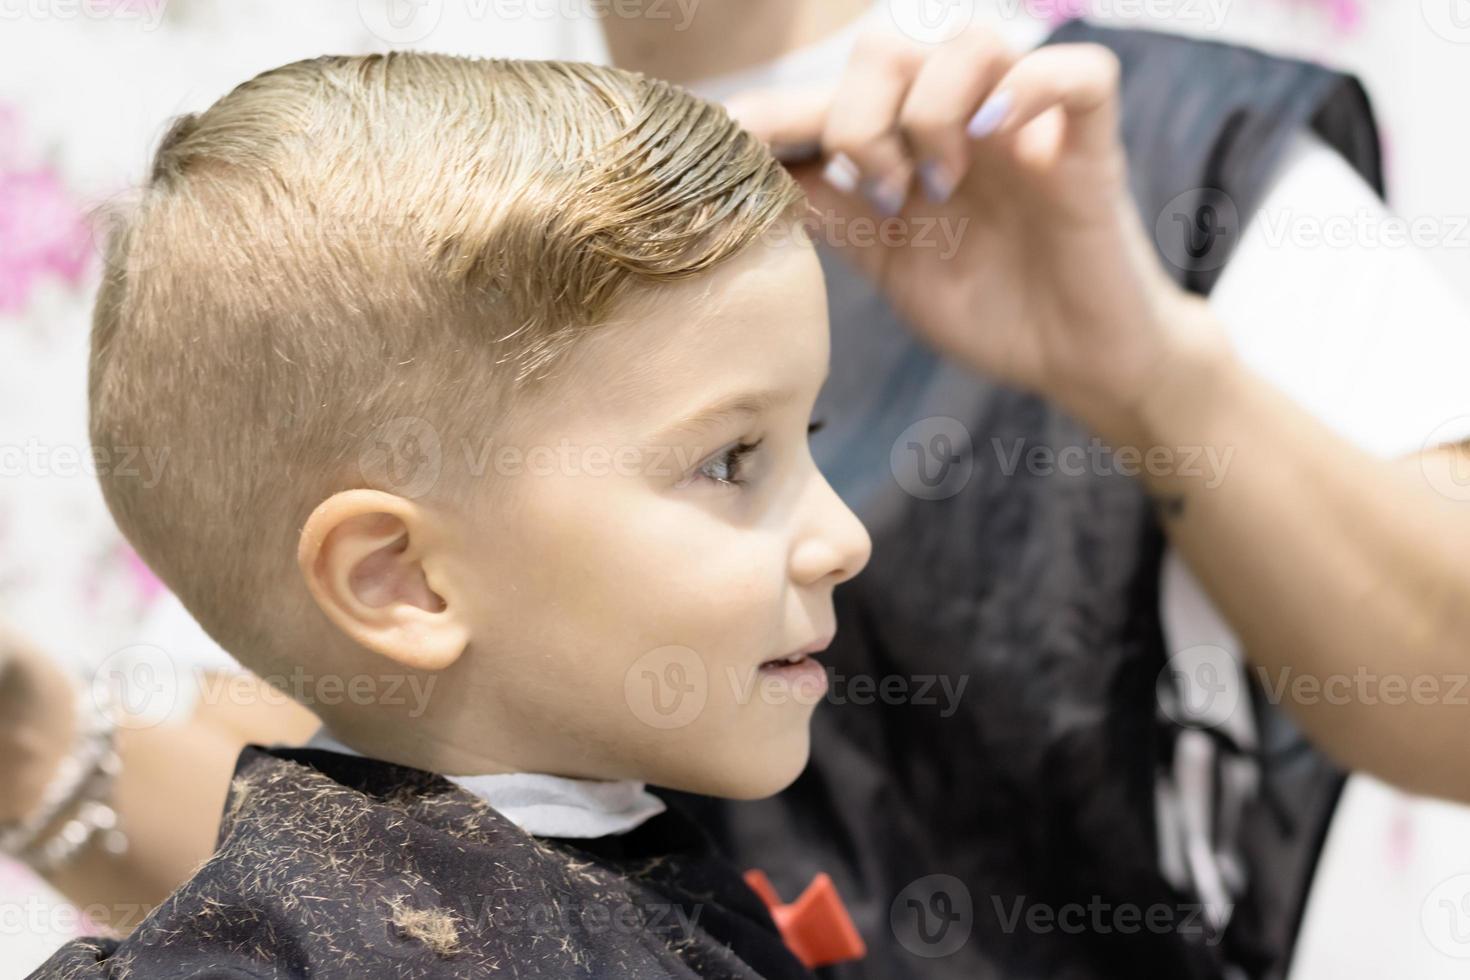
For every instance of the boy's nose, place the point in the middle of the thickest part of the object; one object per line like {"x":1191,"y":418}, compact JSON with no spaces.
{"x":833,"y":546}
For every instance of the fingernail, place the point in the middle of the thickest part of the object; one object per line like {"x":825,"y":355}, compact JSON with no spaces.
{"x":988,"y":117}
{"x":842,"y":173}
{"x":938,"y":184}
{"x":887,"y":196}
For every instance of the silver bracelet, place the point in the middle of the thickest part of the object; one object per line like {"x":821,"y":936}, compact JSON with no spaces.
{"x":82,"y":783}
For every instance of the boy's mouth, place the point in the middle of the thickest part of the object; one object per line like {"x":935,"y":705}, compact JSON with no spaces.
{"x":800,"y":672}
{"x":792,"y":660}
{"x":800,"y":667}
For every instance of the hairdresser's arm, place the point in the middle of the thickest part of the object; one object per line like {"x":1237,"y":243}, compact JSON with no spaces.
{"x":1324,"y":558}
{"x":1333,"y":567}
{"x":169,"y":795}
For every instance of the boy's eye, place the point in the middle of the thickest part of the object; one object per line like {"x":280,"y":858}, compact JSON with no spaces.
{"x":725,"y":467}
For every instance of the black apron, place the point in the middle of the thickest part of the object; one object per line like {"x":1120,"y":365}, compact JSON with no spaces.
{"x":338,"y":867}
{"x":1006,"y":828}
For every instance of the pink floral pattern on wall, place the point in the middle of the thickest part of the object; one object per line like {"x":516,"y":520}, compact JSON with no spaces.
{"x":43,"y":229}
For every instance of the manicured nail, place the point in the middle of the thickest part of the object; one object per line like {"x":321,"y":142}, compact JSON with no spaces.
{"x":842,"y":173}
{"x":887,"y":196}
{"x":988,"y":117}
{"x":938,"y":184}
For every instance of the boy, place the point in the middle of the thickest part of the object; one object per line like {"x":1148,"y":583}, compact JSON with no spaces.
{"x":515,"y":362}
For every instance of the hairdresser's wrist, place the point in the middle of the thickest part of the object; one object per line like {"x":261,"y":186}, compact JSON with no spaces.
{"x":1184,"y":368}
{"x":37,"y":726}
{"x":1190,"y":399}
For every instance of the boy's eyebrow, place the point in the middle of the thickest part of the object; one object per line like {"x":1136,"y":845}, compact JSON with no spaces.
{"x":738,"y":405}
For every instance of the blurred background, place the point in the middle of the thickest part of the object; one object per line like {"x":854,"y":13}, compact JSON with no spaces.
{"x":87,"y":89}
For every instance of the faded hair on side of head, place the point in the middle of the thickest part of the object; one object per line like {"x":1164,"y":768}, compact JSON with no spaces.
{"x":345,"y":243}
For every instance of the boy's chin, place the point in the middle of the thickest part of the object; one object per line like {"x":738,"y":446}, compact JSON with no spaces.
{"x":750,"y":776}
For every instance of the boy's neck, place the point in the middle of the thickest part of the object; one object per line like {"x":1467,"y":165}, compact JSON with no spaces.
{"x":718,"y":37}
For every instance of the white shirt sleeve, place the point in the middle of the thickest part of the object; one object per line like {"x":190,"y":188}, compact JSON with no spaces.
{"x":1330,"y":298}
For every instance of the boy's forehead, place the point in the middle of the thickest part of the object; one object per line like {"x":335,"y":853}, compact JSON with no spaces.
{"x":749,"y":332}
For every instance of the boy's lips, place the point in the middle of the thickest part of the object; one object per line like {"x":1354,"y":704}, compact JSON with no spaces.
{"x":798,"y":656}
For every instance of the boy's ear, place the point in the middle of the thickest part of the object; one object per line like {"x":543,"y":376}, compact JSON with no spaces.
{"x":368,"y":562}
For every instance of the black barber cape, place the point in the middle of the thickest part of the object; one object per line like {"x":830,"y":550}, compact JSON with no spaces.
{"x":336,"y":866}
{"x":983,"y":780}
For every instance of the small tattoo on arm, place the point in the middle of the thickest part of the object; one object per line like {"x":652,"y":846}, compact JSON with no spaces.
{"x":1170,"y":507}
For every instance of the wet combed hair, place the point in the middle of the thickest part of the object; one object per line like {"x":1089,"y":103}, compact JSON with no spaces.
{"x":345,"y":241}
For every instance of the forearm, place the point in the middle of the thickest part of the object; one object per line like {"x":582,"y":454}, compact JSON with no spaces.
{"x":1343,"y":575}
{"x":168,"y":794}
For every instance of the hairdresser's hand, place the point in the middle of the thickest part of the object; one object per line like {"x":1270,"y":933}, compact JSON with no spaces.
{"x":37,"y":719}
{"x":1015,"y":246}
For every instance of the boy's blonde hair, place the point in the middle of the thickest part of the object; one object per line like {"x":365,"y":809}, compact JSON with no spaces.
{"x":346,"y":241}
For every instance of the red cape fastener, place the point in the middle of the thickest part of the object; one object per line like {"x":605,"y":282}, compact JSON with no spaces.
{"x":816,"y":927}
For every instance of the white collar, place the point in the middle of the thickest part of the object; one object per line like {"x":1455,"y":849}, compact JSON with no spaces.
{"x":548,"y":806}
